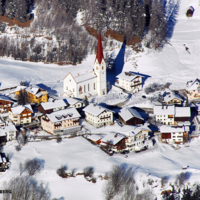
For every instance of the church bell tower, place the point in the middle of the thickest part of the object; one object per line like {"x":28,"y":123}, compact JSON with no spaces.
{"x":100,"y":69}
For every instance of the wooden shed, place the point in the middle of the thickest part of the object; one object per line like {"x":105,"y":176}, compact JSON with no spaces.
{"x":190,"y":11}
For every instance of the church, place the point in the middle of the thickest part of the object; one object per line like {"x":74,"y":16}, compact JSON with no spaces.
{"x":85,"y":83}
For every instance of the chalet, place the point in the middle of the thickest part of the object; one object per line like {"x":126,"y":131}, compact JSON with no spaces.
{"x":164,"y":114}
{"x":192,"y":90}
{"x":182,"y":116}
{"x":98,"y":116}
{"x":114,"y":142}
{"x":21,"y":114}
{"x":61,"y":122}
{"x":190,"y":11}
{"x":74,"y":102}
{"x":171,"y":134}
{"x":10,"y":132}
{"x":130,"y":81}
{"x":5,"y":103}
{"x":35,"y":94}
{"x":91,"y":81}
{"x":171,"y":98}
{"x":171,"y":115}
{"x":49,"y":107}
{"x":136,"y":137}
{"x":130,"y":116}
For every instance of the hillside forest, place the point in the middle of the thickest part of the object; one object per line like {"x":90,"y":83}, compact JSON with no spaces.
{"x":65,"y":31}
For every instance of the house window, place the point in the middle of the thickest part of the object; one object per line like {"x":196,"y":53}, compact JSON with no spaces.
{"x":84,"y":89}
{"x":66,"y":88}
{"x":73,"y":89}
{"x":88,"y":87}
{"x":69,"y":80}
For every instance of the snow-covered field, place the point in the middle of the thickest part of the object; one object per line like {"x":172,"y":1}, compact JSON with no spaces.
{"x":174,"y":64}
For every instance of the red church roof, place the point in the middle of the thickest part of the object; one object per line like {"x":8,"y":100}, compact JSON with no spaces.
{"x":99,"y":55}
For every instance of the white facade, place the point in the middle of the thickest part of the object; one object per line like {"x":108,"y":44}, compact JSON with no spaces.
{"x":98,"y":116}
{"x":130,"y":81}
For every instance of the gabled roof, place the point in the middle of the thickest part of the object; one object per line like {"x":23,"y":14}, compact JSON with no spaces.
{"x":61,"y":115}
{"x":129,"y":76}
{"x":99,"y":55}
{"x":19,"y":109}
{"x":182,"y":112}
{"x":193,"y":85}
{"x":128,"y":113}
{"x":83,"y":75}
{"x":95,"y":110}
{"x":164,"y":110}
{"x":20,"y":87}
{"x":5,"y":98}
{"x":171,"y":129}
{"x":171,"y":96}
{"x":52,"y":105}
{"x":72,"y":101}
{"x":113,"y":138}
{"x":94,"y":138}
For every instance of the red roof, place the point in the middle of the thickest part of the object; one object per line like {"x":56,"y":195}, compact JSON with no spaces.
{"x":99,"y":55}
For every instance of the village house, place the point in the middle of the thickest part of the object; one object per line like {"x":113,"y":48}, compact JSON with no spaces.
{"x":49,"y":107}
{"x":172,"y":134}
{"x":61,"y":122}
{"x":5,"y":103}
{"x":171,"y":98}
{"x":98,"y":116}
{"x":35,"y":94}
{"x":192,"y":89}
{"x":130,"y":81}
{"x":136,"y":137}
{"x":114,"y":142}
{"x":90,"y":82}
{"x":164,"y":114}
{"x":10,"y":131}
{"x":21,"y":114}
{"x":130,"y":116}
{"x":171,"y":115}
{"x":190,"y":11}
{"x":75,"y":103}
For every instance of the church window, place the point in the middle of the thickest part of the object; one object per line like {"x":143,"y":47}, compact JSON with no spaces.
{"x":102,"y":67}
{"x":88,"y":87}
{"x":73,"y":89}
{"x":66,"y":88}
{"x":94,"y":86}
{"x":97,"y":68}
{"x":80,"y":90}
{"x":69,"y":80}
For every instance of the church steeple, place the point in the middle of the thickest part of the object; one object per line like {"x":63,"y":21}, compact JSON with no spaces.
{"x":99,"y":55}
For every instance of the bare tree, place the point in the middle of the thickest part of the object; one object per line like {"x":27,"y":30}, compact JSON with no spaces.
{"x":34,"y":165}
{"x":26,"y":187}
{"x":62,"y":171}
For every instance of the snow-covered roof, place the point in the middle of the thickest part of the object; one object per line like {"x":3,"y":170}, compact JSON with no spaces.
{"x":164,"y":110}
{"x":128,"y":113}
{"x":113,"y":138}
{"x":95,"y":137}
{"x":171,"y":129}
{"x":2,"y":133}
{"x":5,"y":98}
{"x":33,"y":90}
{"x":52,"y":105}
{"x":19,"y":109}
{"x":129,"y":76}
{"x":10,"y":127}
{"x":20,"y":87}
{"x":171,"y":96}
{"x":182,"y":112}
{"x":83,"y":75}
{"x":193,"y":85}
{"x":61,"y":115}
{"x":72,"y":101}
{"x":95,"y":110}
